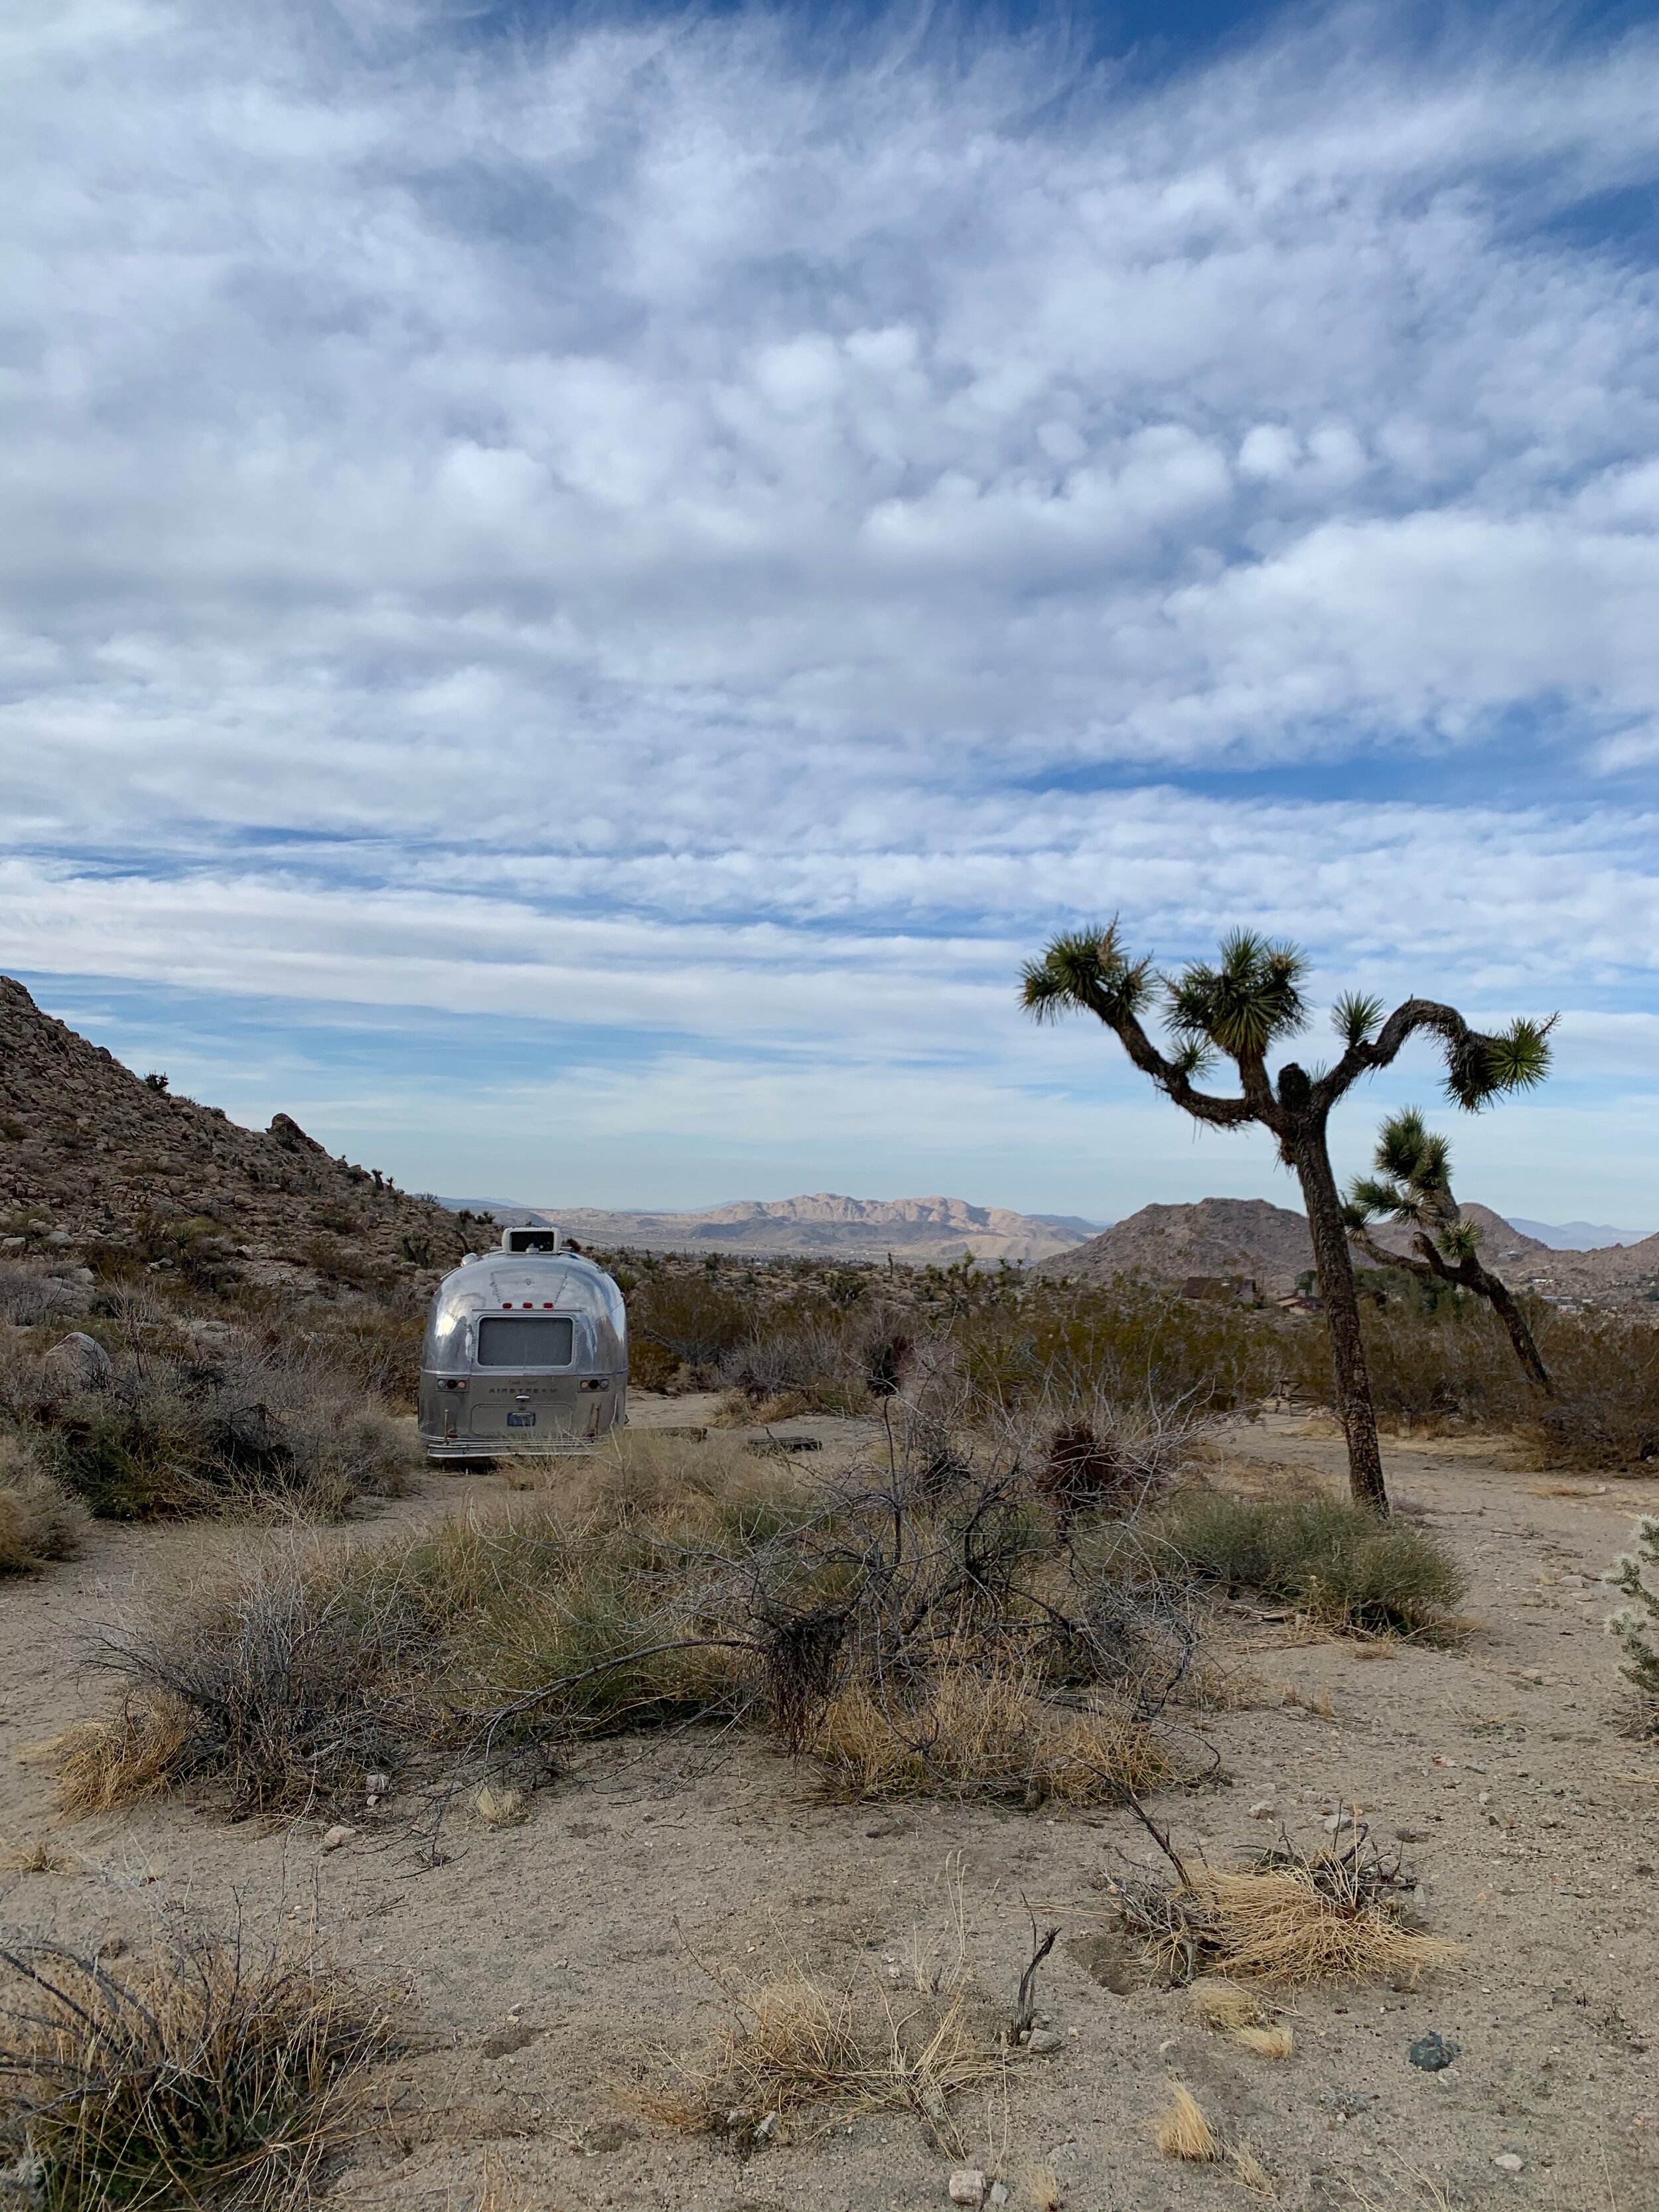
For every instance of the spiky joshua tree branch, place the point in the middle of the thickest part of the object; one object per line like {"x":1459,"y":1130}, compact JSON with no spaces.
{"x":1237,"y":1010}
{"x":1412,"y":1186}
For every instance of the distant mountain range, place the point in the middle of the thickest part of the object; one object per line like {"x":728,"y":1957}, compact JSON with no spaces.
{"x":1578,"y":1235}
{"x":1165,"y":1244}
{"x":824,"y":1225}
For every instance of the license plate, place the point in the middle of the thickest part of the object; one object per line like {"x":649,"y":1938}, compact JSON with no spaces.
{"x":521,"y":1421}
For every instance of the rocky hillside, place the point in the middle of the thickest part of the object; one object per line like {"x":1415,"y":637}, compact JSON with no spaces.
{"x":826,"y":1226}
{"x":1247,"y":1236}
{"x":94,"y":1158}
{"x":1217,"y":1236}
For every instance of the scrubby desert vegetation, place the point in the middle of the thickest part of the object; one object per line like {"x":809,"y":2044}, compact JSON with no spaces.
{"x":174,"y":1396}
{"x":1015,"y":1591}
{"x":131,"y":1401}
{"x":1009,"y":1614}
{"x":794,"y":1334}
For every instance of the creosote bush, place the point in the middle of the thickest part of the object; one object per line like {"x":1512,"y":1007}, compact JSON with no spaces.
{"x":202,"y":2070}
{"x":1332,"y":1561}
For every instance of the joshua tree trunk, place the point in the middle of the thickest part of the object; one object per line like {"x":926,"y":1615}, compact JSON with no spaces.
{"x":1496,"y":1295}
{"x":1311,"y":1161}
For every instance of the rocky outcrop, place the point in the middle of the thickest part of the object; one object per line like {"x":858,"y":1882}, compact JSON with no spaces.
{"x":1216,"y":1238}
{"x":1235,"y":1238}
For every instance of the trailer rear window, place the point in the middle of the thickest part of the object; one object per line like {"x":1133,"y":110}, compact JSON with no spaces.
{"x":538,"y":1340}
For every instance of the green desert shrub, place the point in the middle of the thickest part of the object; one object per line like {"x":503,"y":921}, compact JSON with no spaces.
{"x":1331,"y":1559}
{"x":1635,"y":1626}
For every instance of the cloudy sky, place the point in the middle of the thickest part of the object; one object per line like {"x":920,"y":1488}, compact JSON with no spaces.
{"x":577,"y":590}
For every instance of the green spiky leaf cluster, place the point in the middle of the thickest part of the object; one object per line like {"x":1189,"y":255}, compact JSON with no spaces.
{"x":1251,"y":997}
{"x":1408,"y":1152}
{"x":1356,"y":1016}
{"x":1413,"y":1185}
{"x":1086,"y":971}
{"x":1480,"y":1068}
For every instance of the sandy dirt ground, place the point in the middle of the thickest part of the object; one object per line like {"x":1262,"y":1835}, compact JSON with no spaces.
{"x":552,"y":1970}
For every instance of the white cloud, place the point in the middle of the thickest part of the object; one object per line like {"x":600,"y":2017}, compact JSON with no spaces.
{"x":629,"y":518}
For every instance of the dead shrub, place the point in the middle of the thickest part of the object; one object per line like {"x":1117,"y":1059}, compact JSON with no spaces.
{"x":32,"y":1291}
{"x":39,"y":1521}
{"x":793,"y":2047}
{"x":201,"y":2071}
{"x":1292,"y":1918}
{"x":287,"y":1679}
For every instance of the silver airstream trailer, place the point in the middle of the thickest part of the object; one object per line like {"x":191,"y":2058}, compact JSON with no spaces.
{"x":526,"y":1352}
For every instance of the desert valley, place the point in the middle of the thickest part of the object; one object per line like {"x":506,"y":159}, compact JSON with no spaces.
{"x":673,"y":1826}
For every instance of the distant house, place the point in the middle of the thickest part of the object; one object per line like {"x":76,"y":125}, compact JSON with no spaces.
{"x":1240,"y":1290}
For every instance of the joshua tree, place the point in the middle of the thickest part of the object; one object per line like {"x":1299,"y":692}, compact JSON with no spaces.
{"x":1248,"y":1001}
{"x":1413,"y":1185}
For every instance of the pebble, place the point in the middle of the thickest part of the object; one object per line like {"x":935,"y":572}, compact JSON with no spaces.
{"x":336,"y":1837}
{"x":1044,"y":2038}
{"x":998,"y":2192}
{"x":1267,"y":1810}
{"x":1509,"y":2162}
{"x":967,"y":2185}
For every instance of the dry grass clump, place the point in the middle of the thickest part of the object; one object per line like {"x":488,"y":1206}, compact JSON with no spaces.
{"x":197,"y":2072}
{"x":142,"y":1750}
{"x":991,"y":1734}
{"x":1293,"y":1919}
{"x":1223,"y":2004}
{"x":39,"y":1521}
{"x":38,"y":1857}
{"x":682,"y":1484}
{"x":1240,"y":2014}
{"x":793,"y":2047}
{"x":1180,"y":2129}
{"x":1334,"y":1561}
